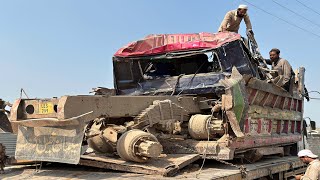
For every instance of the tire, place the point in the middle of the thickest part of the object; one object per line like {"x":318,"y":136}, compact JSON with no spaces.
{"x":126,"y":145}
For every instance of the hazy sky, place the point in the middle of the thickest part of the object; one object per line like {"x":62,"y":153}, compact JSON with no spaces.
{"x":64,"y":47}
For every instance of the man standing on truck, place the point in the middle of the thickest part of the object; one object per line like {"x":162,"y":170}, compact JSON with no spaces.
{"x":313,"y":169}
{"x":232,"y":20}
{"x":283,"y":68}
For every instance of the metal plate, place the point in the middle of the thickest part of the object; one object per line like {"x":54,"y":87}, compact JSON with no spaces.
{"x":165,"y":166}
{"x":55,"y":144}
{"x":46,"y":108}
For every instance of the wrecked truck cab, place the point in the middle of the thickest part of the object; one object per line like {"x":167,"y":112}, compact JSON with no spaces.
{"x":181,"y":70}
{"x":197,"y":93}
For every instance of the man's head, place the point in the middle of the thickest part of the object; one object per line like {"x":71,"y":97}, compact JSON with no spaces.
{"x":242,"y":10}
{"x":274,"y":54}
{"x":306,"y":156}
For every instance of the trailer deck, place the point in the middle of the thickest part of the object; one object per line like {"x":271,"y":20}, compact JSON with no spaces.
{"x":165,"y":166}
{"x":278,"y":168}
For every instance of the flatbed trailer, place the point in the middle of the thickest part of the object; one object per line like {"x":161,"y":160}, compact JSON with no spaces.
{"x":271,"y":167}
{"x":172,"y":166}
{"x":177,"y":98}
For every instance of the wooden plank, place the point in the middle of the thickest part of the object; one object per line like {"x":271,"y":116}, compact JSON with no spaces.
{"x":165,"y":166}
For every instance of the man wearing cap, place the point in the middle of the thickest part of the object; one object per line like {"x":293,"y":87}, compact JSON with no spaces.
{"x":284,"y":69}
{"x":313,"y":169}
{"x":232,"y":20}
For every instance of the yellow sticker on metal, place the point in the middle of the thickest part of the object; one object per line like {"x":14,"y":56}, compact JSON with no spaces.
{"x":45,"y":108}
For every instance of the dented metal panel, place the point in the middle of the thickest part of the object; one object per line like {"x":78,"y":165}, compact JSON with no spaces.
{"x":166,"y":166}
{"x":51,"y":143}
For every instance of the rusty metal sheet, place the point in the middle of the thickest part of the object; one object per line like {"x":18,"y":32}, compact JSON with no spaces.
{"x":165,"y":166}
{"x":259,"y":141}
{"x":117,"y":106}
{"x":44,"y":144}
{"x":54,"y":143}
{"x":112,"y":106}
{"x":35,"y":108}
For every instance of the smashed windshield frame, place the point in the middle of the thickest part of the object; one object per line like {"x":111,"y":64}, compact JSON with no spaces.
{"x":191,"y":72}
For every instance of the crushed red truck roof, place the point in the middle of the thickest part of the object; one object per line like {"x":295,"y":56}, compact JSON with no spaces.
{"x":164,"y":43}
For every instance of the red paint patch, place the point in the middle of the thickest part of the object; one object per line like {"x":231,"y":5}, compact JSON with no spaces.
{"x":281,"y":103}
{"x":259,"y":126}
{"x":298,"y":127}
{"x":289,"y":104}
{"x":293,"y":126}
{"x":285,"y":126}
{"x":278,"y":126}
{"x":246,"y":126}
{"x":270,"y":126}
{"x":300,"y":105}
{"x":295,"y":102}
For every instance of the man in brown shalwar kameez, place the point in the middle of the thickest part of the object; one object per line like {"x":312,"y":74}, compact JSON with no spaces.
{"x":283,"y":68}
{"x":232,"y":20}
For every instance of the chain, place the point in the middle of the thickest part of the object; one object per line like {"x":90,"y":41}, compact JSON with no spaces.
{"x":205,"y":152}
